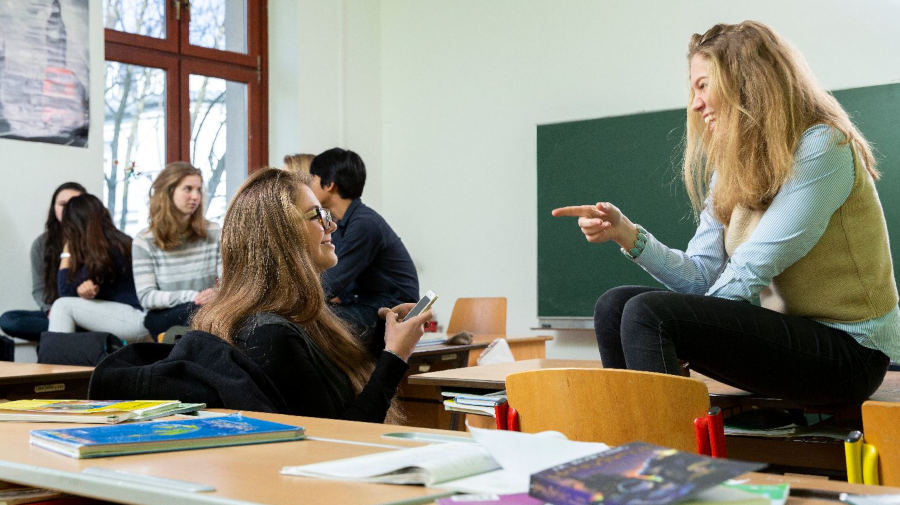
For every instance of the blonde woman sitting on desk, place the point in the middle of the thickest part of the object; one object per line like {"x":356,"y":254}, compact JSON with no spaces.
{"x":784,"y":185}
{"x":276,"y":241}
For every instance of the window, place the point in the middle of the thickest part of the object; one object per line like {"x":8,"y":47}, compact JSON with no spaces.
{"x":185,"y":80}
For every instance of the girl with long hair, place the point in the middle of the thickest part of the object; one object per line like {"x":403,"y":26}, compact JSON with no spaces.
{"x":95,"y":284}
{"x":45,"y":251}
{"x":176,"y":260}
{"x":276,"y":241}
{"x":787,"y":287}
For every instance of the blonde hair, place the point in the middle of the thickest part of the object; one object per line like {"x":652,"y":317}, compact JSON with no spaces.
{"x":767,"y":98}
{"x":266,"y":267}
{"x":167,"y":231}
{"x":298,"y":162}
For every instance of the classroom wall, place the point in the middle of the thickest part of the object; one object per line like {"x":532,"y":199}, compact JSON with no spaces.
{"x":31,"y":171}
{"x":325,"y":84}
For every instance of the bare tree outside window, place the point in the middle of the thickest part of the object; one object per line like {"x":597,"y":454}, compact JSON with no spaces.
{"x":135,"y":115}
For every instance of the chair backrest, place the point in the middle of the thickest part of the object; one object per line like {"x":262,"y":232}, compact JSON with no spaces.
{"x":881,"y":428}
{"x":479,"y":316}
{"x":610,"y":406}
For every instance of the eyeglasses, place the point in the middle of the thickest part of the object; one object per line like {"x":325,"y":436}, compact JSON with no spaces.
{"x":322,"y":214}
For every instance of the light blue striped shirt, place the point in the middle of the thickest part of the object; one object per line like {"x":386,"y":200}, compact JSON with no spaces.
{"x":795,"y":221}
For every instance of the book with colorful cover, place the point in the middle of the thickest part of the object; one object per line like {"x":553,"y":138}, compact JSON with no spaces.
{"x":634,"y":474}
{"x":92,"y":411}
{"x":158,"y":436}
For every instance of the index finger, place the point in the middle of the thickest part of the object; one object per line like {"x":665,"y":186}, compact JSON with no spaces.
{"x":577,"y":211}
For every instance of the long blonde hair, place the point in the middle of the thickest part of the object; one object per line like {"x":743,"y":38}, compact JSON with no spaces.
{"x":164,"y":225}
{"x":266,"y":267}
{"x":767,"y":98}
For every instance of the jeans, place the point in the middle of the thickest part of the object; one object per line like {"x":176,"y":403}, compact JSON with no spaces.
{"x":160,"y":320}
{"x":120,"y":319}
{"x":27,"y":324}
{"x":735,"y":342}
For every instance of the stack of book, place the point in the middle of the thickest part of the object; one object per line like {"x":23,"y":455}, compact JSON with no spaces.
{"x":92,"y":411}
{"x":472,"y":403}
{"x":158,"y":436}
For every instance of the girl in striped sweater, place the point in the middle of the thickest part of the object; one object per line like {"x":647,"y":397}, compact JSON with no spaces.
{"x":176,"y":259}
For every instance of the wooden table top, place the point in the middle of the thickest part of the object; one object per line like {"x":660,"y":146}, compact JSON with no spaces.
{"x":240,"y":474}
{"x":493,"y":376}
{"x":14,"y":372}
{"x":250,"y":473}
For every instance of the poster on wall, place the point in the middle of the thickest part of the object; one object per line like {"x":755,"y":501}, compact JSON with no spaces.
{"x":44,"y":71}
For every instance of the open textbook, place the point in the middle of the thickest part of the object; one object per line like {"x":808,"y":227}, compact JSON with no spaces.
{"x":500,"y":462}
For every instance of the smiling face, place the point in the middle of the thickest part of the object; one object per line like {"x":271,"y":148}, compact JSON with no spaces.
{"x":705,"y":101}
{"x":188,"y":194}
{"x":62,"y":198}
{"x":321,"y":250}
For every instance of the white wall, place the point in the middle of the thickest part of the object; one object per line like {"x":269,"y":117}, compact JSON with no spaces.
{"x":465,"y":83}
{"x":31,"y":171}
{"x":325,"y":85}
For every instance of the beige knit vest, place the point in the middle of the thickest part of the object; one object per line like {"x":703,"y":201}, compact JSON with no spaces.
{"x":847,"y":276}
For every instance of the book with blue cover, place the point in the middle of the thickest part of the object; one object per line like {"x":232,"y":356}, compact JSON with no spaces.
{"x":634,"y":474}
{"x":157,"y":436}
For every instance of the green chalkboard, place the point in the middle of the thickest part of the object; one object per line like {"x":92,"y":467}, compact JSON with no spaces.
{"x":634,"y":162}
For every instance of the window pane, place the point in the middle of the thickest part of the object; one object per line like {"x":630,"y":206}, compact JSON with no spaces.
{"x":140,"y":17}
{"x":219,"y":24}
{"x":218,"y":138}
{"x":134,"y":141}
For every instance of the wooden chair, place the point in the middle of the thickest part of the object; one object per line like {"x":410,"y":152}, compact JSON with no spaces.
{"x":478,"y":316}
{"x":881,"y":428}
{"x":610,"y":406}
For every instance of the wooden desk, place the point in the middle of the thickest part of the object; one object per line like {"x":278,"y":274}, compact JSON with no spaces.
{"x":493,"y":377}
{"x":522,"y":348}
{"x":250,"y":474}
{"x":422,"y":402}
{"x":33,"y":380}
{"x":800,"y":453}
{"x":240,"y":474}
{"x":811,"y":455}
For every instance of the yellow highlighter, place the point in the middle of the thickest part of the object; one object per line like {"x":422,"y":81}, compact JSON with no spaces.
{"x":853,"y":454}
{"x":869,"y":464}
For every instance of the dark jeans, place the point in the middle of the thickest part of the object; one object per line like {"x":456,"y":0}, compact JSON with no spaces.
{"x":158,"y":321}
{"x":27,"y":324}
{"x":364,"y":323}
{"x":737,"y":343}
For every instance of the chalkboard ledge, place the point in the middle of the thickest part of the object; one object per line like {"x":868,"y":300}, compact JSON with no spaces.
{"x":565,"y":323}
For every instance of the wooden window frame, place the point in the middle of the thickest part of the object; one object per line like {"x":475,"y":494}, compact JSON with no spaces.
{"x":179,"y":59}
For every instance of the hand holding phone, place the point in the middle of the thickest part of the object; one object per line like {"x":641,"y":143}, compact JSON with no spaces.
{"x":422,"y":305}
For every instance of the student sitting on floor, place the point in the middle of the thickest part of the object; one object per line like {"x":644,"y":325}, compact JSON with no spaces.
{"x":176,"y":260}
{"x":45,"y":251}
{"x":375,"y":269}
{"x":271,"y":306}
{"x":95,"y":283}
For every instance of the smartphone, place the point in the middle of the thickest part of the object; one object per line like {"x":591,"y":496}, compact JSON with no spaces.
{"x":422,"y":305}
